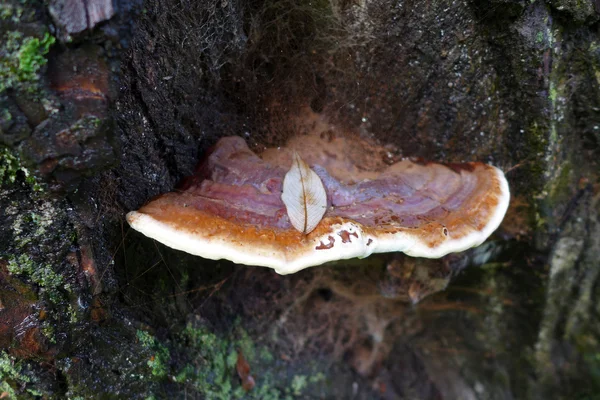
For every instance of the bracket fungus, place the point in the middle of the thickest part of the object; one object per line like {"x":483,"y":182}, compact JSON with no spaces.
{"x":232,"y":207}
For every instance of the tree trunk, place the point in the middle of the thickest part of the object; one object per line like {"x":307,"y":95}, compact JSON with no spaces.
{"x":104,"y":105}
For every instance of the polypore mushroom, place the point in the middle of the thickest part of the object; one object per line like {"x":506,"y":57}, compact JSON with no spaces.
{"x":232,"y":208}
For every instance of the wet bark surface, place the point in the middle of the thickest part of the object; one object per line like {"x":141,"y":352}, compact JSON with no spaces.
{"x":104,"y":107}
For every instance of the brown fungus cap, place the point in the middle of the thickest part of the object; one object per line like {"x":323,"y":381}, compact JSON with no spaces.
{"x":232,"y":207}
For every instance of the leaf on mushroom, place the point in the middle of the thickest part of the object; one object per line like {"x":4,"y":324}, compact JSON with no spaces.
{"x":304,"y":196}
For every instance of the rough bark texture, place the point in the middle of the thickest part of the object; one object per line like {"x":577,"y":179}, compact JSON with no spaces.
{"x":102,"y":108}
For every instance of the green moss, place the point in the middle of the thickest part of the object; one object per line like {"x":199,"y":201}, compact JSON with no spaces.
{"x":159,"y":361}
{"x":245,"y":343}
{"x":11,"y":376}
{"x":317,"y":378}
{"x":11,"y":12}
{"x":11,"y":166}
{"x":266,"y":355}
{"x":48,"y":330}
{"x":203,"y":363}
{"x":212,"y":371}
{"x":579,"y":10}
{"x":16,"y":381}
{"x":299,"y":383}
{"x":553,"y":93}
{"x":21,"y":59}
{"x":215,"y":364}
{"x":539,"y":38}
{"x":43,"y":276}
{"x":87,"y":122}
{"x":5,"y":115}
{"x":32,"y":56}
{"x":559,"y":187}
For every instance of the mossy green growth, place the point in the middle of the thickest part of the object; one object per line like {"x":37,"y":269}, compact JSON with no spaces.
{"x":32,"y":56}
{"x":43,"y":276}
{"x":559,"y":187}
{"x":539,"y":38}
{"x":10,"y":11}
{"x":159,"y":361}
{"x":21,"y":59}
{"x":204,"y":364}
{"x":213,"y":365}
{"x":553,"y":93}
{"x":11,"y":165}
{"x":9,"y":370}
{"x":212,"y":370}
{"x":299,"y":383}
{"x":13,"y":381}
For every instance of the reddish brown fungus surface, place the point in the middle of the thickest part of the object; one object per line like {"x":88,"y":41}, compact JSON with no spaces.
{"x":232,"y":207}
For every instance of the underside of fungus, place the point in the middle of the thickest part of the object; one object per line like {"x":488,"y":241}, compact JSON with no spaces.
{"x":232,"y":207}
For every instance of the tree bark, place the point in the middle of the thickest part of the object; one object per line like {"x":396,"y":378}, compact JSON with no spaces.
{"x":105,"y":105}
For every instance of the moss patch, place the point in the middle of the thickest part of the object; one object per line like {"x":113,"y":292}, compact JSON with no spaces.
{"x":213,"y":369}
{"x":22,"y":58}
{"x":14,"y":381}
{"x":159,"y":360}
{"x":204,"y":362}
{"x":42,"y":275}
{"x":10,"y":168}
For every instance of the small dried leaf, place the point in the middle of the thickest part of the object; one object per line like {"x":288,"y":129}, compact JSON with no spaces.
{"x":304,"y":196}
{"x":243,"y":370}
